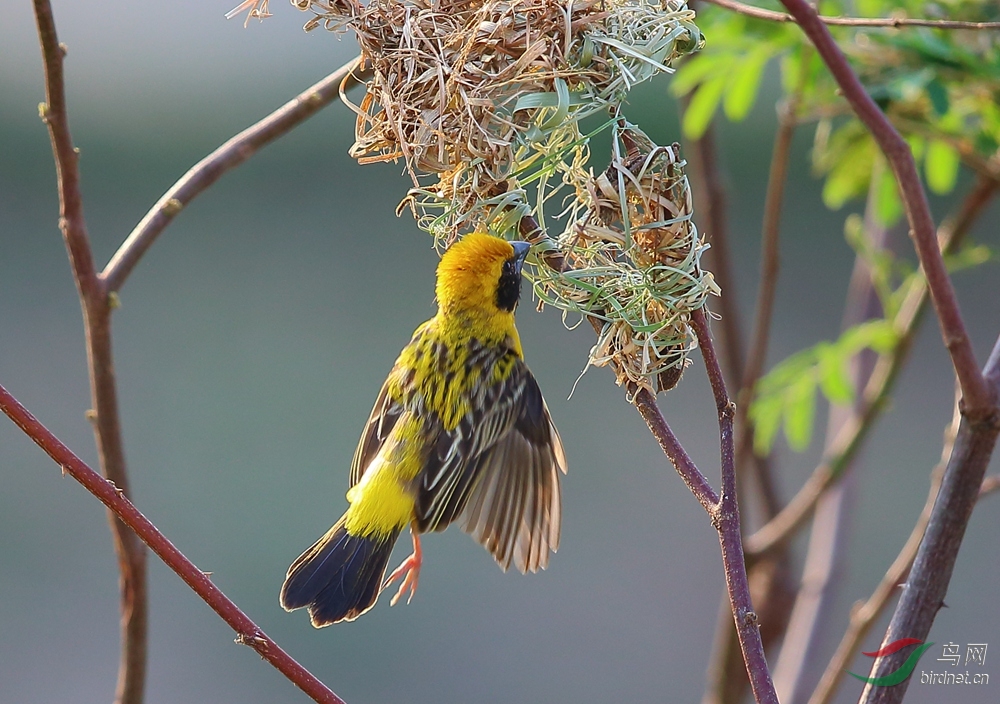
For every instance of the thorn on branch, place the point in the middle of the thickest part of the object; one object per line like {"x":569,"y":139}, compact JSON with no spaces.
{"x":253,"y":640}
{"x":171,"y":207}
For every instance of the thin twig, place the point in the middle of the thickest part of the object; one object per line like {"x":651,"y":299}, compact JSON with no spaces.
{"x":231,"y":154}
{"x":923,"y":593}
{"x":772,"y":16}
{"x":112,"y":496}
{"x":979,"y":397}
{"x":800,"y":649}
{"x":97,"y":325}
{"x":710,"y":204}
{"x":863,"y":615}
{"x":990,"y":485}
{"x":727,"y":680}
{"x":905,"y":324}
{"x":770,"y":263}
{"x":770,"y":255}
{"x":726,"y":519}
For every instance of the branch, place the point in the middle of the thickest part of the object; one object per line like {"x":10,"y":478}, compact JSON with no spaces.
{"x":800,"y":649}
{"x":726,"y":519}
{"x":979,"y":398}
{"x":770,"y":263}
{"x":990,"y":485}
{"x":710,"y":202}
{"x":112,"y":496}
{"x":863,"y":615}
{"x":97,"y":325}
{"x":849,"y":440}
{"x":771,"y":16}
{"x":924,"y":591}
{"x":231,"y":154}
{"x":727,"y":679}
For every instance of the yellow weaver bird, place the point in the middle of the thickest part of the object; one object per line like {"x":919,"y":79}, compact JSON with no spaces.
{"x":459,"y":432}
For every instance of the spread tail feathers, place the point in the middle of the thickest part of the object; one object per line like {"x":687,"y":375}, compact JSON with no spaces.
{"x":339,"y":577}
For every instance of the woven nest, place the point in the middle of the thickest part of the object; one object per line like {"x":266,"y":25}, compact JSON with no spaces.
{"x":467,"y":91}
{"x":632,"y":256}
{"x":483,"y":102}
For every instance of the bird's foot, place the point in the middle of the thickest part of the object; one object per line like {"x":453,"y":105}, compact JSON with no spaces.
{"x":409,"y":572}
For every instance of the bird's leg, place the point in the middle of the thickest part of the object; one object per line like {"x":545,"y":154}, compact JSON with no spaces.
{"x":409,"y":571}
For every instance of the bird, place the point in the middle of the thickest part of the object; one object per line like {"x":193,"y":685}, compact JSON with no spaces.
{"x":459,"y":433}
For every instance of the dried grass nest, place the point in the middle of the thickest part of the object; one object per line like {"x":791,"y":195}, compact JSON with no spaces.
{"x":483,"y":102}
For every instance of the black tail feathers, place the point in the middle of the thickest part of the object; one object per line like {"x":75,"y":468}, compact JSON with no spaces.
{"x":339,"y":577}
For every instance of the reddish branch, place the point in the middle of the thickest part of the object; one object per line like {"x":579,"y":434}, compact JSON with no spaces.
{"x":924,"y":591}
{"x":114,"y":498}
{"x":724,"y":510}
{"x":97,"y":324}
{"x":979,"y":398}
{"x":863,"y":614}
{"x":726,"y":519}
{"x":230,"y":155}
{"x":772,"y":16}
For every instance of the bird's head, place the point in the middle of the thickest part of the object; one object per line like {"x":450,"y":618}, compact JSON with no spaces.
{"x":481,"y":274}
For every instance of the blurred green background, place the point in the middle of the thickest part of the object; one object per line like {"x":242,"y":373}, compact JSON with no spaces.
{"x":252,"y":340}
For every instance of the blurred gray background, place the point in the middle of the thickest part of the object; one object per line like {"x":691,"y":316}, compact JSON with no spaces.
{"x":252,"y":340}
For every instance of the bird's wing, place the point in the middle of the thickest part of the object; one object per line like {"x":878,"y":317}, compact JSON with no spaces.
{"x":514,"y":508}
{"x":384,"y":415}
{"x":498,"y":470}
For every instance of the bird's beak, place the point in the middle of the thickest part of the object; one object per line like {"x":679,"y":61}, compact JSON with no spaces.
{"x":520,"y":252}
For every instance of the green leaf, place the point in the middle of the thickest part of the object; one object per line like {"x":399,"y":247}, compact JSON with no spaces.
{"x":791,"y":68}
{"x":741,"y":91}
{"x":834,"y":377}
{"x":785,"y":372}
{"x":968,"y":256}
{"x":800,"y":409}
{"x":702,"y":106}
{"x":766,"y":416}
{"x":941,"y":166}
{"x":850,"y":173}
{"x":938,"y":95}
{"x":888,"y":206}
{"x":692,"y":72}
{"x":876,"y":334}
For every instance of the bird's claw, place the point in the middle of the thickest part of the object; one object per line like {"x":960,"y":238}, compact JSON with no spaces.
{"x":409,"y":571}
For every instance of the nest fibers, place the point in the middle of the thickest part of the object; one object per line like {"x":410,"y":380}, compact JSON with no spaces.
{"x":633,"y":261}
{"x":483,"y":99}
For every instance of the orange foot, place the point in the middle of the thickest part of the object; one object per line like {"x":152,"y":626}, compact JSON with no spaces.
{"x":409,"y":571}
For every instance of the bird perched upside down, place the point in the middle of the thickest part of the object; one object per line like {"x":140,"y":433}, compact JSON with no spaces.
{"x":459,"y":432}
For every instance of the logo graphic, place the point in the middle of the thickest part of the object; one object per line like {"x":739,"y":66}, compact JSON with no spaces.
{"x":904,"y":670}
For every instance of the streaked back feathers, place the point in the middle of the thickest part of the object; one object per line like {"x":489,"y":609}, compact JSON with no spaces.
{"x":459,"y":433}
